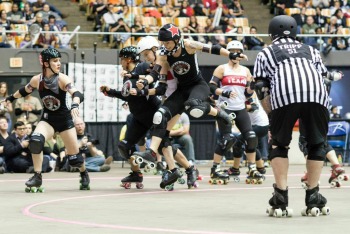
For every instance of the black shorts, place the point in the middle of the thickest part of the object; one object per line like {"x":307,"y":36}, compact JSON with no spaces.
{"x":242,"y":120}
{"x":59,"y":123}
{"x":315,"y":119}
{"x":136,"y":130}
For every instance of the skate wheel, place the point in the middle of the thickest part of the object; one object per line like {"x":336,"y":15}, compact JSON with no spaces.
{"x":127,"y":185}
{"x":270,"y":211}
{"x":260,"y":181}
{"x":139,"y":160}
{"x":341,"y":177}
{"x":346,"y":178}
{"x":220,"y":182}
{"x":27,"y":190}
{"x":247,"y":181}
{"x":84,"y":187}
{"x":211,"y":181}
{"x":200,"y":177}
{"x":236,"y":179}
{"x":151,"y":165}
{"x":289,"y":212}
{"x":253,"y":181}
{"x":326,"y":211}
{"x":169,"y":188}
{"x":304,"y":185}
{"x":304,"y":212}
{"x":181,"y":181}
{"x":315,"y":212}
{"x":139,"y":186}
{"x":333,"y":184}
{"x":278,"y":213}
{"x":41,"y":189}
{"x":33,"y":189}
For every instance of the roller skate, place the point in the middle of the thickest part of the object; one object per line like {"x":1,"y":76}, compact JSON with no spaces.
{"x":262,"y":171}
{"x":133,"y":177}
{"x":192,"y":177}
{"x":315,"y":203}
{"x":169,"y":178}
{"x":254,"y":176}
{"x":159,"y":168}
{"x":34,"y":184}
{"x":218,"y":177}
{"x":279,"y":203}
{"x":181,"y":180}
{"x":234,"y":173}
{"x":338,"y":174}
{"x":148,"y":156}
{"x":84,"y":180}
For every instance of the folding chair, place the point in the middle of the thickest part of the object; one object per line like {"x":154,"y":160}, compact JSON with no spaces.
{"x":338,"y":137}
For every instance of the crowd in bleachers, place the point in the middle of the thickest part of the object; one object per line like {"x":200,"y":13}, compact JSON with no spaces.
{"x":319,"y":17}
{"x":218,"y":16}
{"x":20,"y":15}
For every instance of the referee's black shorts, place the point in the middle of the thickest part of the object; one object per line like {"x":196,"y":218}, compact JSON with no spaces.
{"x":315,"y":118}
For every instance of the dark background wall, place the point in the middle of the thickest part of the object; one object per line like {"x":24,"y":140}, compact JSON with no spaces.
{"x":202,"y":130}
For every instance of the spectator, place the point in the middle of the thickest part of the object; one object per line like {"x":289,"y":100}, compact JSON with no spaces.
{"x":209,"y":28}
{"x":18,"y":157}
{"x":123,"y":31}
{"x":29,"y":128}
{"x":28,"y":109}
{"x":109,"y":18}
{"x":335,"y":113}
{"x":220,"y":4}
{"x":193,"y":25}
{"x":94,"y":158}
{"x":39,"y":6}
{"x":99,"y":8}
{"x":4,"y":134}
{"x":309,"y":28}
{"x":5,"y":109}
{"x":186,"y":10}
{"x":341,"y":19}
{"x":53,"y":24}
{"x":281,"y":5}
{"x":28,"y":14}
{"x":46,"y":13}
{"x":253,"y":42}
{"x":332,"y":27}
{"x":138,"y":26}
{"x":148,"y":3}
{"x":15,"y":15}
{"x":320,"y":3}
{"x":186,"y":30}
{"x":39,"y":20}
{"x":127,"y":16}
{"x":241,"y":38}
{"x":201,"y":38}
{"x":4,"y":22}
{"x":65,"y":38}
{"x":320,"y":20}
{"x":340,"y":43}
{"x":27,"y":41}
{"x":180,"y":134}
{"x":236,"y":10}
{"x":199,"y":9}
{"x":46,"y":39}
{"x":219,"y":39}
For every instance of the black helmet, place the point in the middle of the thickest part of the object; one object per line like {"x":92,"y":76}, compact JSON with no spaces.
{"x":169,"y":32}
{"x":129,"y":52}
{"x":48,"y":54}
{"x":282,"y":26}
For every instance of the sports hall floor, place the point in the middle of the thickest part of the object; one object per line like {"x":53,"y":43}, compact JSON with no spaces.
{"x":214,"y":209}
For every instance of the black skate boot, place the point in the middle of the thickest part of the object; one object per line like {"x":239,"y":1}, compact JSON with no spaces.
{"x":234,"y":173}
{"x":133,"y":177}
{"x":169,"y":178}
{"x":315,"y":203}
{"x":279,"y":203}
{"x":148,"y":156}
{"x":192,"y":176}
{"x":218,"y":177}
{"x":262,"y":171}
{"x":34,"y":183}
{"x":254,"y":176}
{"x":84,"y":180}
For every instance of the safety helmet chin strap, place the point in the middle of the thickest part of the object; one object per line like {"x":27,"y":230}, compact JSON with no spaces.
{"x":44,"y":68}
{"x":164,"y":51}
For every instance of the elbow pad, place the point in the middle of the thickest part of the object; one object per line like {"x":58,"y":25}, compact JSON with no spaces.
{"x":79,"y":95}
{"x":23,"y":92}
{"x":161,"y":88}
{"x":213,"y":88}
{"x":215,"y":49}
{"x":155,"y":72}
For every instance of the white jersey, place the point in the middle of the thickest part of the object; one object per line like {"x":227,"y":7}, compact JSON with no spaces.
{"x":259,"y":117}
{"x":171,"y":82}
{"x":234,"y":80}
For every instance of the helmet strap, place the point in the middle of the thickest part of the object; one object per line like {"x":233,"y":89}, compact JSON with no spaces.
{"x":164,"y":51}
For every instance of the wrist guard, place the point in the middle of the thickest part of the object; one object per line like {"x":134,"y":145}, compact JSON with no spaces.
{"x":74,"y":105}
{"x":226,"y":94}
{"x":234,"y":56}
{"x":142,"y":92}
{"x":10,"y":98}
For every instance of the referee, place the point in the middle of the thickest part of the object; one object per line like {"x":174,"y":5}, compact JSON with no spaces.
{"x":289,"y":81}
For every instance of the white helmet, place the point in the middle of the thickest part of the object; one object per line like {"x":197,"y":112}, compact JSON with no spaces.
{"x":235,"y":45}
{"x":147,"y":43}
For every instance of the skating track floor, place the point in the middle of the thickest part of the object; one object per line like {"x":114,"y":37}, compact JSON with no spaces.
{"x":214,"y":209}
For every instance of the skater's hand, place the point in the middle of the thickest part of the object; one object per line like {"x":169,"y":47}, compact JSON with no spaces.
{"x":75,"y":113}
{"x":104,"y":89}
{"x":133,"y":91}
{"x":25,"y":143}
{"x":141,"y":83}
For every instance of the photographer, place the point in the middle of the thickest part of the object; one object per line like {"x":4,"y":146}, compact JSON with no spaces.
{"x":94,"y":158}
{"x":18,"y":157}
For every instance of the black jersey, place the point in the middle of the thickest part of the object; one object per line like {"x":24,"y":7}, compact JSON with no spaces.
{"x":294,"y":71}
{"x":139,"y":105}
{"x":185,"y":67}
{"x":54,"y":104}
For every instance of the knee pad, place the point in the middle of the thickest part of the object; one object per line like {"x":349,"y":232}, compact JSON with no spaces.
{"x":196,"y":107}
{"x":303,"y":145}
{"x":76,"y":160}
{"x":124,"y":149}
{"x":225,"y":143}
{"x":252,"y":141}
{"x":317,"y":152}
{"x":160,"y":121}
{"x":164,"y":144}
{"x":279,"y":152}
{"x":238,"y":147}
{"x":36,"y":143}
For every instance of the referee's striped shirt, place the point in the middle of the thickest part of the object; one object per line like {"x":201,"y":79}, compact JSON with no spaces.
{"x":294,"y":71}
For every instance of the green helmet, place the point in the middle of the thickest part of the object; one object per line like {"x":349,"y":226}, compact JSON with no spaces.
{"x":48,"y":54}
{"x":129,"y":52}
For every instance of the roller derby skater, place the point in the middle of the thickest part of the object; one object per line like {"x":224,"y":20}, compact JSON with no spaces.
{"x":279,"y":204}
{"x":57,"y":116}
{"x":134,"y":177}
{"x":315,"y":203}
{"x":34,"y":184}
{"x":274,"y":71}
{"x":232,"y":83}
